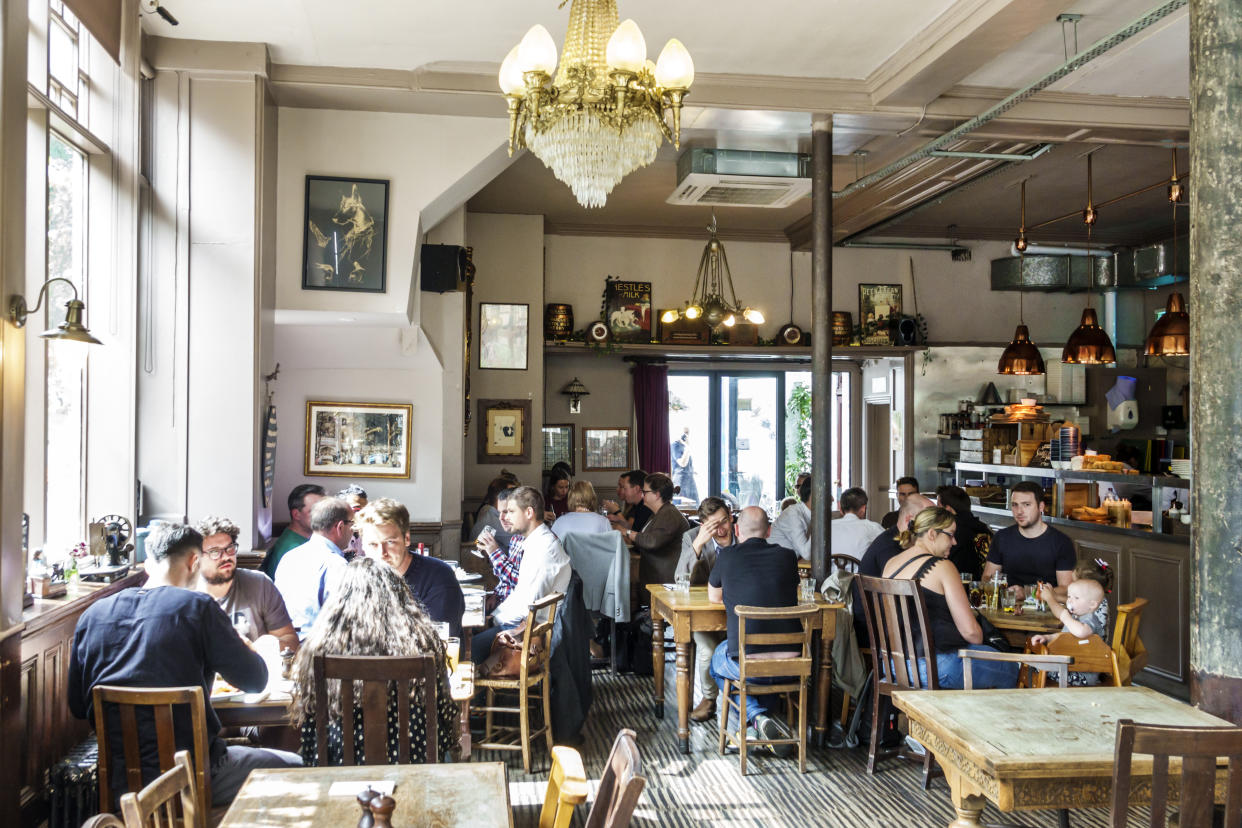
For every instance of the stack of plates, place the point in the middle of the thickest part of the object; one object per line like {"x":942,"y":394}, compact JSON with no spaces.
{"x":1065,"y":446}
{"x":1180,"y":468}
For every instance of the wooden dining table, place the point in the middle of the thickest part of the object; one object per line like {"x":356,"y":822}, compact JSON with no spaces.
{"x":474,"y":795}
{"x":1030,"y":749}
{"x":691,"y":612}
{"x":1018,"y":627}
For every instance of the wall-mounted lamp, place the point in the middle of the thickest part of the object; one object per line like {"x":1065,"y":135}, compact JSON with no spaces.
{"x":575,"y":390}
{"x":71,"y":330}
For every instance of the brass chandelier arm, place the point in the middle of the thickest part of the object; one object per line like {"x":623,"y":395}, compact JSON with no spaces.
{"x":17,"y":303}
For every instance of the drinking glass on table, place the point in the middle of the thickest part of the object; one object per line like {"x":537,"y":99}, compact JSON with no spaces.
{"x":683,"y":582}
{"x":806,"y":591}
{"x":452,"y":652}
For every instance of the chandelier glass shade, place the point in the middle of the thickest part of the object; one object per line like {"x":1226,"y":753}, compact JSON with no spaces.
{"x":714,"y":299}
{"x":606,"y":109}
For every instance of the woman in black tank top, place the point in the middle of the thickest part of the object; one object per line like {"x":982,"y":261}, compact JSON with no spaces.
{"x":951,"y":619}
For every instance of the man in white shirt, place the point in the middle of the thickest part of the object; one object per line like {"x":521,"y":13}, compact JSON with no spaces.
{"x":792,"y":527}
{"x":544,"y":570}
{"x":307,"y":574}
{"x":852,"y":533}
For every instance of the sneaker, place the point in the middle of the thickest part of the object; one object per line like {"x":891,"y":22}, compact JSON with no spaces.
{"x":770,"y":728}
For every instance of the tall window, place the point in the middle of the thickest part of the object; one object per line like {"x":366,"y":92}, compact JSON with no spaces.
{"x":64,"y":506}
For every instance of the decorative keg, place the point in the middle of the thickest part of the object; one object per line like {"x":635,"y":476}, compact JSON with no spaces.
{"x":842,"y":327}
{"x":558,"y":321}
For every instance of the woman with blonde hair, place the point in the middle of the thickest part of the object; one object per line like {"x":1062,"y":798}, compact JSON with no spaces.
{"x":583,"y":514}
{"x":371,"y":613}
{"x":953,"y":626}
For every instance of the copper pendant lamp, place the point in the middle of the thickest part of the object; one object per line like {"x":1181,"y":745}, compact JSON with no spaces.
{"x":1089,"y":344}
{"x":1170,"y":336}
{"x":1021,"y":357}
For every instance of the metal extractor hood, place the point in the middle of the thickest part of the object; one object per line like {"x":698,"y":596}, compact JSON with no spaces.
{"x":1129,"y":268}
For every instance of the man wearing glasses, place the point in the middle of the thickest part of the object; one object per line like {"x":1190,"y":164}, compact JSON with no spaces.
{"x":248,"y":598}
{"x":308,"y":573}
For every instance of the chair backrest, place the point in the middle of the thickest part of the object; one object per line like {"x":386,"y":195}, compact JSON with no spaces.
{"x":845,"y":562}
{"x":799,"y":665}
{"x":157,"y":805}
{"x":1091,"y":655}
{"x":535,"y":656}
{"x":567,"y":788}
{"x":1126,"y":639}
{"x":376,"y":675}
{"x":161,"y":701}
{"x":620,"y":786}
{"x":1048,"y":663}
{"x":897,"y":625}
{"x":1199,"y":749}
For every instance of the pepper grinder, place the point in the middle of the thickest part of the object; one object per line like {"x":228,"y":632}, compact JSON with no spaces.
{"x":381,"y":808}
{"x":367,"y":820}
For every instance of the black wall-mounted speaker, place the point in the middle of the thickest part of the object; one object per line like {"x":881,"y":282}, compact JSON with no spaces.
{"x":443,"y":268}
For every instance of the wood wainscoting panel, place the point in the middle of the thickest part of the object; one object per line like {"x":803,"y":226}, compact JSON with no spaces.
{"x":1163,"y":578}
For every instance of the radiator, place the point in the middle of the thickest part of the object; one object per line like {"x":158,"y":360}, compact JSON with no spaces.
{"x":73,"y":787}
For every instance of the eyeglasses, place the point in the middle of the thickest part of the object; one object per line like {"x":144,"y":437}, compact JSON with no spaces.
{"x":648,"y":491}
{"x":950,"y":534}
{"x":217,"y":554}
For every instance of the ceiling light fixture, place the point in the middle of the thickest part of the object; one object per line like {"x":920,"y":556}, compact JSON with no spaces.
{"x":709,"y":299}
{"x":71,"y":330}
{"x":1170,"y":336}
{"x":1089,"y":343}
{"x":1020,"y":356}
{"x":1020,"y":243}
{"x":603,"y":114}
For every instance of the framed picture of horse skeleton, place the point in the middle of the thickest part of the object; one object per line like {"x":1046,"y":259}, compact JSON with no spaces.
{"x":345,"y":236}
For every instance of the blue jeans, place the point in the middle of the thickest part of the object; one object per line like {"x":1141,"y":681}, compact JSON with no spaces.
{"x":724,"y":666}
{"x":983,"y":674}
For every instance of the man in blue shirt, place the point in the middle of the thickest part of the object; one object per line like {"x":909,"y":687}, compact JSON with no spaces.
{"x":163,"y":634}
{"x":308,"y":573}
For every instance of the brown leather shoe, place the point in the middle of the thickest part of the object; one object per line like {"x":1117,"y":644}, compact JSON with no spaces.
{"x":704,"y":711}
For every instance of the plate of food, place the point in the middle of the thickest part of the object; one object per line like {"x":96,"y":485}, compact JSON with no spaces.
{"x":221,"y":690}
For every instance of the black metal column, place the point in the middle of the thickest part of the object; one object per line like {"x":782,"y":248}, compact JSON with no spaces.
{"x":821,"y":343}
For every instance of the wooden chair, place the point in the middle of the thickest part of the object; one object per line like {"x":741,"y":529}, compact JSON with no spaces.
{"x":897,"y":626}
{"x":377,"y":675}
{"x":797,"y":669}
{"x":536,"y":647}
{"x":1131,"y":654}
{"x":1091,"y":655}
{"x":845,"y":562}
{"x":567,"y":788}
{"x":161,"y":701}
{"x":1046,"y":663}
{"x":620,"y":786}
{"x":157,"y":805}
{"x":1198,"y":748}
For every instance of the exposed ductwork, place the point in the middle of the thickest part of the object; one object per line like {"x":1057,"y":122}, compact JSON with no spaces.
{"x":1053,"y":269}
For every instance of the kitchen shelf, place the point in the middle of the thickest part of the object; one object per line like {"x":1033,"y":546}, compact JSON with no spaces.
{"x":1086,"y":524}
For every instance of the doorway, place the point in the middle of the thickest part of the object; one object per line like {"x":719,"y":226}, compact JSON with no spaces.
{"x":878,"y":451}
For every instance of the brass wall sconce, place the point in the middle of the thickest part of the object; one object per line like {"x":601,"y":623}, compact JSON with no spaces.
{"x":71,"y":330}
{"x":575,"y":390}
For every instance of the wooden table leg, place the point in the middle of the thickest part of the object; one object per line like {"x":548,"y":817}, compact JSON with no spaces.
{"x":968,"y":800}
{"x":464,"y":747}
{"x":657,"y":663}
{"x":822,"y":691}
{"x":683,"y":696}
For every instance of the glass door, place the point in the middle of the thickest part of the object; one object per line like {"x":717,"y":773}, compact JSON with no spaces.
{"x":750,"y":418}
{"x":689,"y":432}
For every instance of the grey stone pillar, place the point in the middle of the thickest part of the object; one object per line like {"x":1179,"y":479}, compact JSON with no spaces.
{"x":821,"y":343}
{"x":1216,"y":351}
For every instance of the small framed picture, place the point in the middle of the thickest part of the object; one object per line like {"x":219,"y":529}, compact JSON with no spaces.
{"x":876,"y":303}
{"x":504,"y":431}
{"x":345,"y":238}
{"x":346,"y":439}
{"x":558,"y":446}
{"x":605,"y":449}
{"x":503,"y":336}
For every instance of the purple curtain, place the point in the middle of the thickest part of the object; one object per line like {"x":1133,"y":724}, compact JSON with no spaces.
{"x":651,"y":413}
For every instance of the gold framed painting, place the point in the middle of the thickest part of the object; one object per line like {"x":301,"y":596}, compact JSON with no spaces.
{"x":606,"y":449}
{"x":350,"y":439}
{"x":504,"y":431}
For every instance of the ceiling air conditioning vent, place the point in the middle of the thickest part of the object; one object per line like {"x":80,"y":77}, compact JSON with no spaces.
{"x":741,"y":178}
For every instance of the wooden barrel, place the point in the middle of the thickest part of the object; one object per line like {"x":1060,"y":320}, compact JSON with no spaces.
{"x":842,"y":327}
{"x":558,"y":321}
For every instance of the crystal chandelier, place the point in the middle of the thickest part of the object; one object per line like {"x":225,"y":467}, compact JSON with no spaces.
{"x":708,"y":300}
{"x":603,"y":115}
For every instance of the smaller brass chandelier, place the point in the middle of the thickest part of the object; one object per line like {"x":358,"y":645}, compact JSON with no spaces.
{"x":1021,"y":357}
{"x":710,"y":302}
{"x":1089,"y":344}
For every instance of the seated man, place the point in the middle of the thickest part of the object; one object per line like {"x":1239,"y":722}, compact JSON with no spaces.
{"x":506,"y":560}
{"x":700,"y":548}
{"x":385,"y":524}
{"x":307,"y":574}
{"x":633,"y":512}
{"x":545,"y":568}
{"x":852,"y":533}
{"x":792,"y":528}
{"x":249,"y":599}
{"x":298,"y":532}
{"x":905,"y":487}
{"x":163,"y":634}
{"x":754,"y":573}
{"x":973,"y":538}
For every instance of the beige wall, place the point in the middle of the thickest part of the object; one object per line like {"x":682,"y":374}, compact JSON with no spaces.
{"x":610,"y":404}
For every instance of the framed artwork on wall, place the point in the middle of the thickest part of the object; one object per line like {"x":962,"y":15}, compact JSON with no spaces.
{"x":558,"y":446}
{"x":350,"y":439}
{"x":503,"y":336}
{"x":876,"y":303}
{"x":345,"y":237}
{"x":504,"y":431}
{"x":606,"y":449}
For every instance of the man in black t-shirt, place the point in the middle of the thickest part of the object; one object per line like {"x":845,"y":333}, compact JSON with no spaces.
{"x":162,"y":634}
{"x":754,"y":573}
{"x":973,"y":538}
{"x":1031,"y":550}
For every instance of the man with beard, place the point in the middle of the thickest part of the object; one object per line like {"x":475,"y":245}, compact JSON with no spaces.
{"x":248,"y":598}
{"x":1030,"y":551}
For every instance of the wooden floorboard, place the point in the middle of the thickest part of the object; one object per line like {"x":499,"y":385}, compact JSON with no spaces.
{"x":705,"y":788}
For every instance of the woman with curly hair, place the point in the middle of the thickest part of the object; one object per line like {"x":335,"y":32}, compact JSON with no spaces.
{"x":371,"y":612}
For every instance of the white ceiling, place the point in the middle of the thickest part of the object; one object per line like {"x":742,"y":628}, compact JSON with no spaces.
{"x":794,"y":38}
